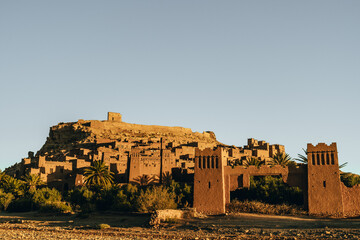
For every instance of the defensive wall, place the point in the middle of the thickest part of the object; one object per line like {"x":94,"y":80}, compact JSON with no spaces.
{"x":214,"y":179}
{"x":324,"y":193}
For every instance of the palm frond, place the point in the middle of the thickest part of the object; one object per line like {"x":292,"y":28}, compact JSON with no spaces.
{"x":302,"y":158}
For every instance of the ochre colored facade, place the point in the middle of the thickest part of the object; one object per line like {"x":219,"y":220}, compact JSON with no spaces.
{"x":131,"y":151}
{"x":327,"y":195}
{"x":324,"y":193}
{"x":214,"y":178}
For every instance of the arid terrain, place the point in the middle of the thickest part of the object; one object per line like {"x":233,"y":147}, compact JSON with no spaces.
{"x":134,"y":226}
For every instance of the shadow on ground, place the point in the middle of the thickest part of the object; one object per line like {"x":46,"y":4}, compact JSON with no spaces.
{"x":134,"y":220}
{"x":123,"y":220}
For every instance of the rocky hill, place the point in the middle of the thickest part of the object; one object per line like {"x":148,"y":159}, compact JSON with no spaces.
{"x":66,"y":136}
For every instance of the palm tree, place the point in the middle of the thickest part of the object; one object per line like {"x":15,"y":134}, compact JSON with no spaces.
{"x":14,"y":186}
{"x":2,"y":175}
{"x":98,"y":175}
{"x":253,"y":161}
{"x":166,"y":178}
{"x":32,"y":181}
{"x":343,"y":165}
{"x":5,"y":199}
{"x":302,"y":158}
{"x":282,"y":159}
{"x":144,"y":180}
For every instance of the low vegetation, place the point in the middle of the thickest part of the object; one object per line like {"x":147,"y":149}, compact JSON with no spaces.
{"x":270,"y":189}
{"x":267,"y":195}
{"x":98,"y":194}
{"x":155,"y":198}
{"x":247,"y":206}
{"x":350,"y":179}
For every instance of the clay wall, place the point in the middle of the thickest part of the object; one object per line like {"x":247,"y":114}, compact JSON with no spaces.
{"x":261,"y":153}
{"x":81,"y":163}
{"x":168,"y":161}
{"x":275,"y":149}
{"x":209,"y":188}
{"x":324,"y":190}
{"x":185,"y":150}
{"x":351,"y":200}
{"x":134,"y":170}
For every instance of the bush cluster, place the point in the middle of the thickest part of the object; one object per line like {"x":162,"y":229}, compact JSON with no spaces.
{"x":25,"y":195}
{"x":350,"y":179}
{"x":270,"y":189}
{"x":30,"y":194}
{"x":129,"y":197}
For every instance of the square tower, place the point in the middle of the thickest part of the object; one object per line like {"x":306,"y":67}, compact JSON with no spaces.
{"x":114,"y":117}
{"x":209,"y":186}
{"x":324,"y":190}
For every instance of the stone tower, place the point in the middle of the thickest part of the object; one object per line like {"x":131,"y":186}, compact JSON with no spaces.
{"x":324,"y":190}
{"x":114,"y":117}
{"x":209,"y":186}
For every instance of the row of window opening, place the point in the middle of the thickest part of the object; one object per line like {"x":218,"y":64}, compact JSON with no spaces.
{"x":323,"y":159}
{"x":208,"y":162}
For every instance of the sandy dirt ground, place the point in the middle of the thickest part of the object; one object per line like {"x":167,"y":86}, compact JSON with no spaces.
{"x":135,"y":226}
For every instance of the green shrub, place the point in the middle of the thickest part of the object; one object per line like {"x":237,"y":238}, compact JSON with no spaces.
{"x":81,"y":197}
{"x":5,"y":200}
{"x":55,"y":207}
{"x":350,"y":179}
{"x":46,"y":195}
{"x":270,"y":189}
{"x":155,"y":198}
{"x":121,"y":202}
{"x":125,"y":198}
{"x":183,"y":193}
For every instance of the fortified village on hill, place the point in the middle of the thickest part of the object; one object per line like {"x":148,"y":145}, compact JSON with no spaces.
{"x":132,"y":151}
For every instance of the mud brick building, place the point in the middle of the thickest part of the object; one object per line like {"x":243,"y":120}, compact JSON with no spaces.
{"x":324,"y":193}
{"x":129,"y":150}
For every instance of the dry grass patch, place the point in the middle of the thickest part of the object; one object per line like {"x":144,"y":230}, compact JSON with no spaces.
{"x":246,"y":206}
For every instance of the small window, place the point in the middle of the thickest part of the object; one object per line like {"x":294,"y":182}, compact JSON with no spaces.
{"x":324,"y":184}
{"x":327,"y":159}
{"x":209,"y":185}
{"x":199,"y":162}
{"x":204,"y":162}
{"x":313,"y":159}
{"x":217,"y":162}
{"x":322,"y":159}
{"x":332,"y":159}
{"x":318,"y":159}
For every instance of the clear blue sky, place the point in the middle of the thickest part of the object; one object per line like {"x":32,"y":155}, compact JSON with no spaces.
{"x":286,"y":72}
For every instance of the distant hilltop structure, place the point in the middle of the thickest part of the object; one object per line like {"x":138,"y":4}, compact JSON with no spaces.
{"x":115,"y":117}
{"x":129,"y":150}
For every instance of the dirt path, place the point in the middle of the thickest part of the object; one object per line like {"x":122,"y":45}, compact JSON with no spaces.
{"x":134,"y":226}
